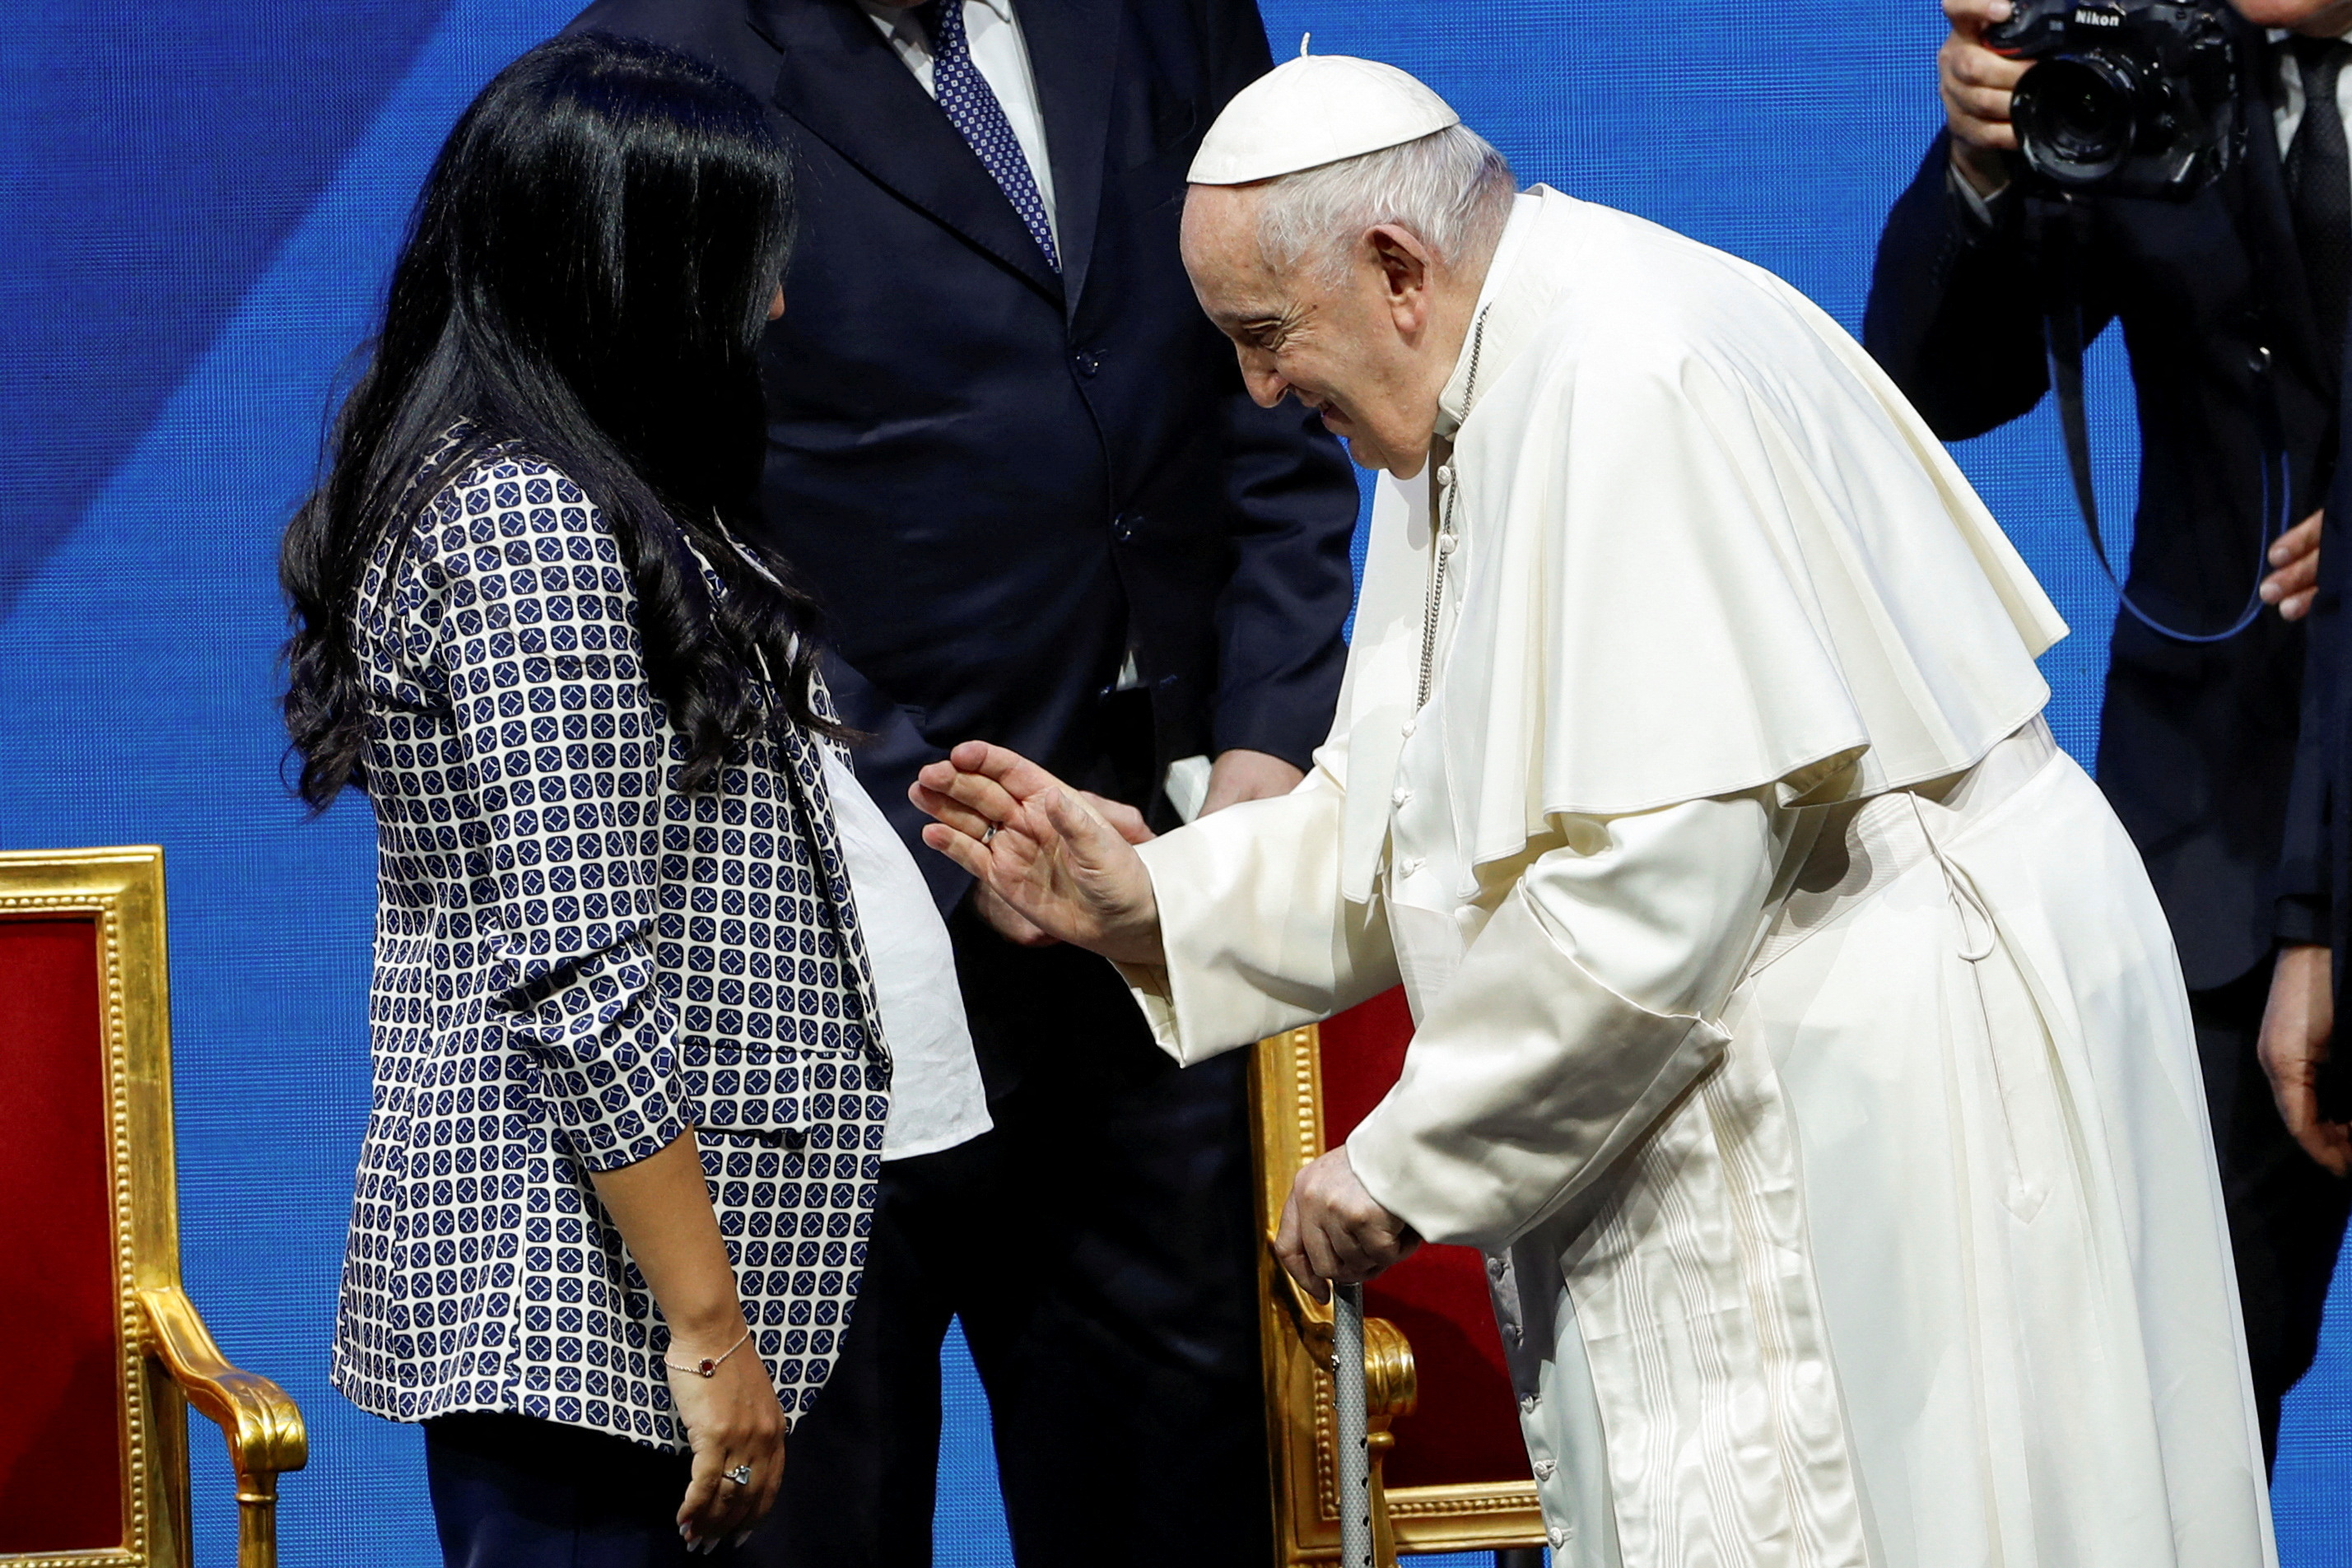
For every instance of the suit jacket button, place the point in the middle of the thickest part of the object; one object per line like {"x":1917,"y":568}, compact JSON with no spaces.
{"x":1122,"y":528}
{"x":1089,"y":362}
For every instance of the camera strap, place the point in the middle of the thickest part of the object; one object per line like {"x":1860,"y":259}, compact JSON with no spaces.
{"x":2060,"y":234}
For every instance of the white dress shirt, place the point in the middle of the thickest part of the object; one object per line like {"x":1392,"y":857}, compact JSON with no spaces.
{"x":1002,"y":60}
{"x":936,"y":1099}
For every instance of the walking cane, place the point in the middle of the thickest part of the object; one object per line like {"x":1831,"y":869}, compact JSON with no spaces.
{"x":1355,"y":1456}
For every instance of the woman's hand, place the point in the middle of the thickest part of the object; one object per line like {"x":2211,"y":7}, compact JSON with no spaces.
{"x":1043,"y":850}
{"x":731,"y":1418}
{"x":662,"y":1208}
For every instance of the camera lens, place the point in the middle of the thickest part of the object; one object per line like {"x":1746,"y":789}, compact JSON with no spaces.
{"x":2074,"y":117}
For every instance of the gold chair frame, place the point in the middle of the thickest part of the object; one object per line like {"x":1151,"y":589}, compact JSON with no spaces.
{"x":1294,"y":1334}
{"x":169,"y":1358}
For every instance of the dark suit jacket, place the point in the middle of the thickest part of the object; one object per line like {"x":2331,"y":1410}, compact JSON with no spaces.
{"x":2197,"y":741}
{"x":2315,"y":870}
{"x":996,"y":480}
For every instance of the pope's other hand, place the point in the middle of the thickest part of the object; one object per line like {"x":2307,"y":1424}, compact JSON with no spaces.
{"x":1043,"y":850}
{"x":1009,"y":923}
{"x":1332,"y":1228}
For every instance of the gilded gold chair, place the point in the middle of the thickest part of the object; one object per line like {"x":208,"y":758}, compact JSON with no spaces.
{"x":105,"y":1350}
{"x":1449,"y":1468}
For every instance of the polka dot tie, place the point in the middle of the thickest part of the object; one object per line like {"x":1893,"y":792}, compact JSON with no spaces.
{"x":963,"y":94}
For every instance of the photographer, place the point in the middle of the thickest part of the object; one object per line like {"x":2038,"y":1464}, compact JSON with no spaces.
{"x":2232,"y":304}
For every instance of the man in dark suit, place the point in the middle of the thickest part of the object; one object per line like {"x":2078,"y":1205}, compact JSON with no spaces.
{"x":2311,"y":986}
{"x":2230,"y":303}
{"x":1018,"y":467}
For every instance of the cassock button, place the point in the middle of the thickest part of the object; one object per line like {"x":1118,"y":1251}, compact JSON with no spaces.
{"x":1559,"y":1539}
{"x":1413,"y":865}
{"x":1511,"y":1333}
{"x":1528,"y":1402}
{"x":1400,"y":795}
{"x":1410,"y":726}
{"x":1494,"y":1266}
{"x":1546,"y":1469}
{"x":1444,"y":474}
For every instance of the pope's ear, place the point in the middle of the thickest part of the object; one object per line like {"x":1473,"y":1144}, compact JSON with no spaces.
{"x":1406,"y":266}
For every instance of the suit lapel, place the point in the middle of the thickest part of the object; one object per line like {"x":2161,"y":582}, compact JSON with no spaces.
{"x":2269,"y":221}
{"x":1072,"y":52}
{"x":841,"y":81}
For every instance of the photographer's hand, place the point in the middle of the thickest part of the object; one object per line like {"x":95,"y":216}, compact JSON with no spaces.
{"x":1976,"y":84}
{"x":2293,"y":581}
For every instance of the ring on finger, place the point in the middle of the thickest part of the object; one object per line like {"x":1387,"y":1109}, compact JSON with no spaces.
{"x":741,"y":1475}
{"x":991,"y":831}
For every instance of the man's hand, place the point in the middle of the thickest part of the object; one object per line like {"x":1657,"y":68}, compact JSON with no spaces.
{"x":1009,"y":923}
{"x":1239,"y":775}
{"x":2294,"y":1040}
{"x":1042,"y":849}
{"x":2293,"y":581}
{"x":1333,"y":1229}
{"x":1976,"y":84}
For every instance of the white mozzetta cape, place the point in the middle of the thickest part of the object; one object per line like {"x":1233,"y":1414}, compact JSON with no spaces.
{"x":1794,"y":1023}
{"x":1708,"y":548}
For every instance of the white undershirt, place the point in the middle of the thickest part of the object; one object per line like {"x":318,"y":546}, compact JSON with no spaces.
{"x":936,"y":1098}
{"x":1002,"y":60}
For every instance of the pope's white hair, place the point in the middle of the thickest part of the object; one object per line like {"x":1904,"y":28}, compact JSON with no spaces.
{"x":1450,"y":189}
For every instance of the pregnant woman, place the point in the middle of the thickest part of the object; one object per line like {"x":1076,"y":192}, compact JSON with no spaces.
{"x":632,"y":1083}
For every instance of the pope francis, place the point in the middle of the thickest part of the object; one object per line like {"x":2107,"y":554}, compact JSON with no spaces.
{"x":1795,"y":1027}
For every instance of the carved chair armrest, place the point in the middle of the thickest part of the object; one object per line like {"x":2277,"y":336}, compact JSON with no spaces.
{"x":1392,"y":1387}
{"x":263,"y":1426}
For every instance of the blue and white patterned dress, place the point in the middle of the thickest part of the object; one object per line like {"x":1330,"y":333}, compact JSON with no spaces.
{"x":575,"y":961}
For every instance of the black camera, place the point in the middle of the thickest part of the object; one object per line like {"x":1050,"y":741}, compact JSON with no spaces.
{"x":2126,"y":98}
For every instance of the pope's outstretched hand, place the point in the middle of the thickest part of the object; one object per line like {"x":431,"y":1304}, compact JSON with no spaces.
{"x":1042,"y":848}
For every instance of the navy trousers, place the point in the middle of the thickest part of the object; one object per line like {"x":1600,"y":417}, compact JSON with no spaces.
{"x":511,"y":1492}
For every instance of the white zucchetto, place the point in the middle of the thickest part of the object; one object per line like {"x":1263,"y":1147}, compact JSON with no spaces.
{"x":1313,"y":110}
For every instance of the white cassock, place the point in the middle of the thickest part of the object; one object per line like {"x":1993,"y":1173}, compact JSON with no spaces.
{"x":1795,"y":1026}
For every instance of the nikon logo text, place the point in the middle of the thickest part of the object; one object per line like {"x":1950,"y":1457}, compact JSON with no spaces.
{"x":2090,"y":18}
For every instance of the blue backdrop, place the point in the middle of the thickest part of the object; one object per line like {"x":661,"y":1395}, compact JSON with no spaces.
{"x":200,"y":203}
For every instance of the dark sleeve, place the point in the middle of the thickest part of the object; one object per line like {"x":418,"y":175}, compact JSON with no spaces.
{"x":1292,"y":501}
{"x":559,"y":742}
{"x":2307,"y":857}
{"x":1955,"y":311}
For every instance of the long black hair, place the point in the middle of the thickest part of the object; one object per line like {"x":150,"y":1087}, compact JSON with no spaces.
{"x":586,"y":277}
